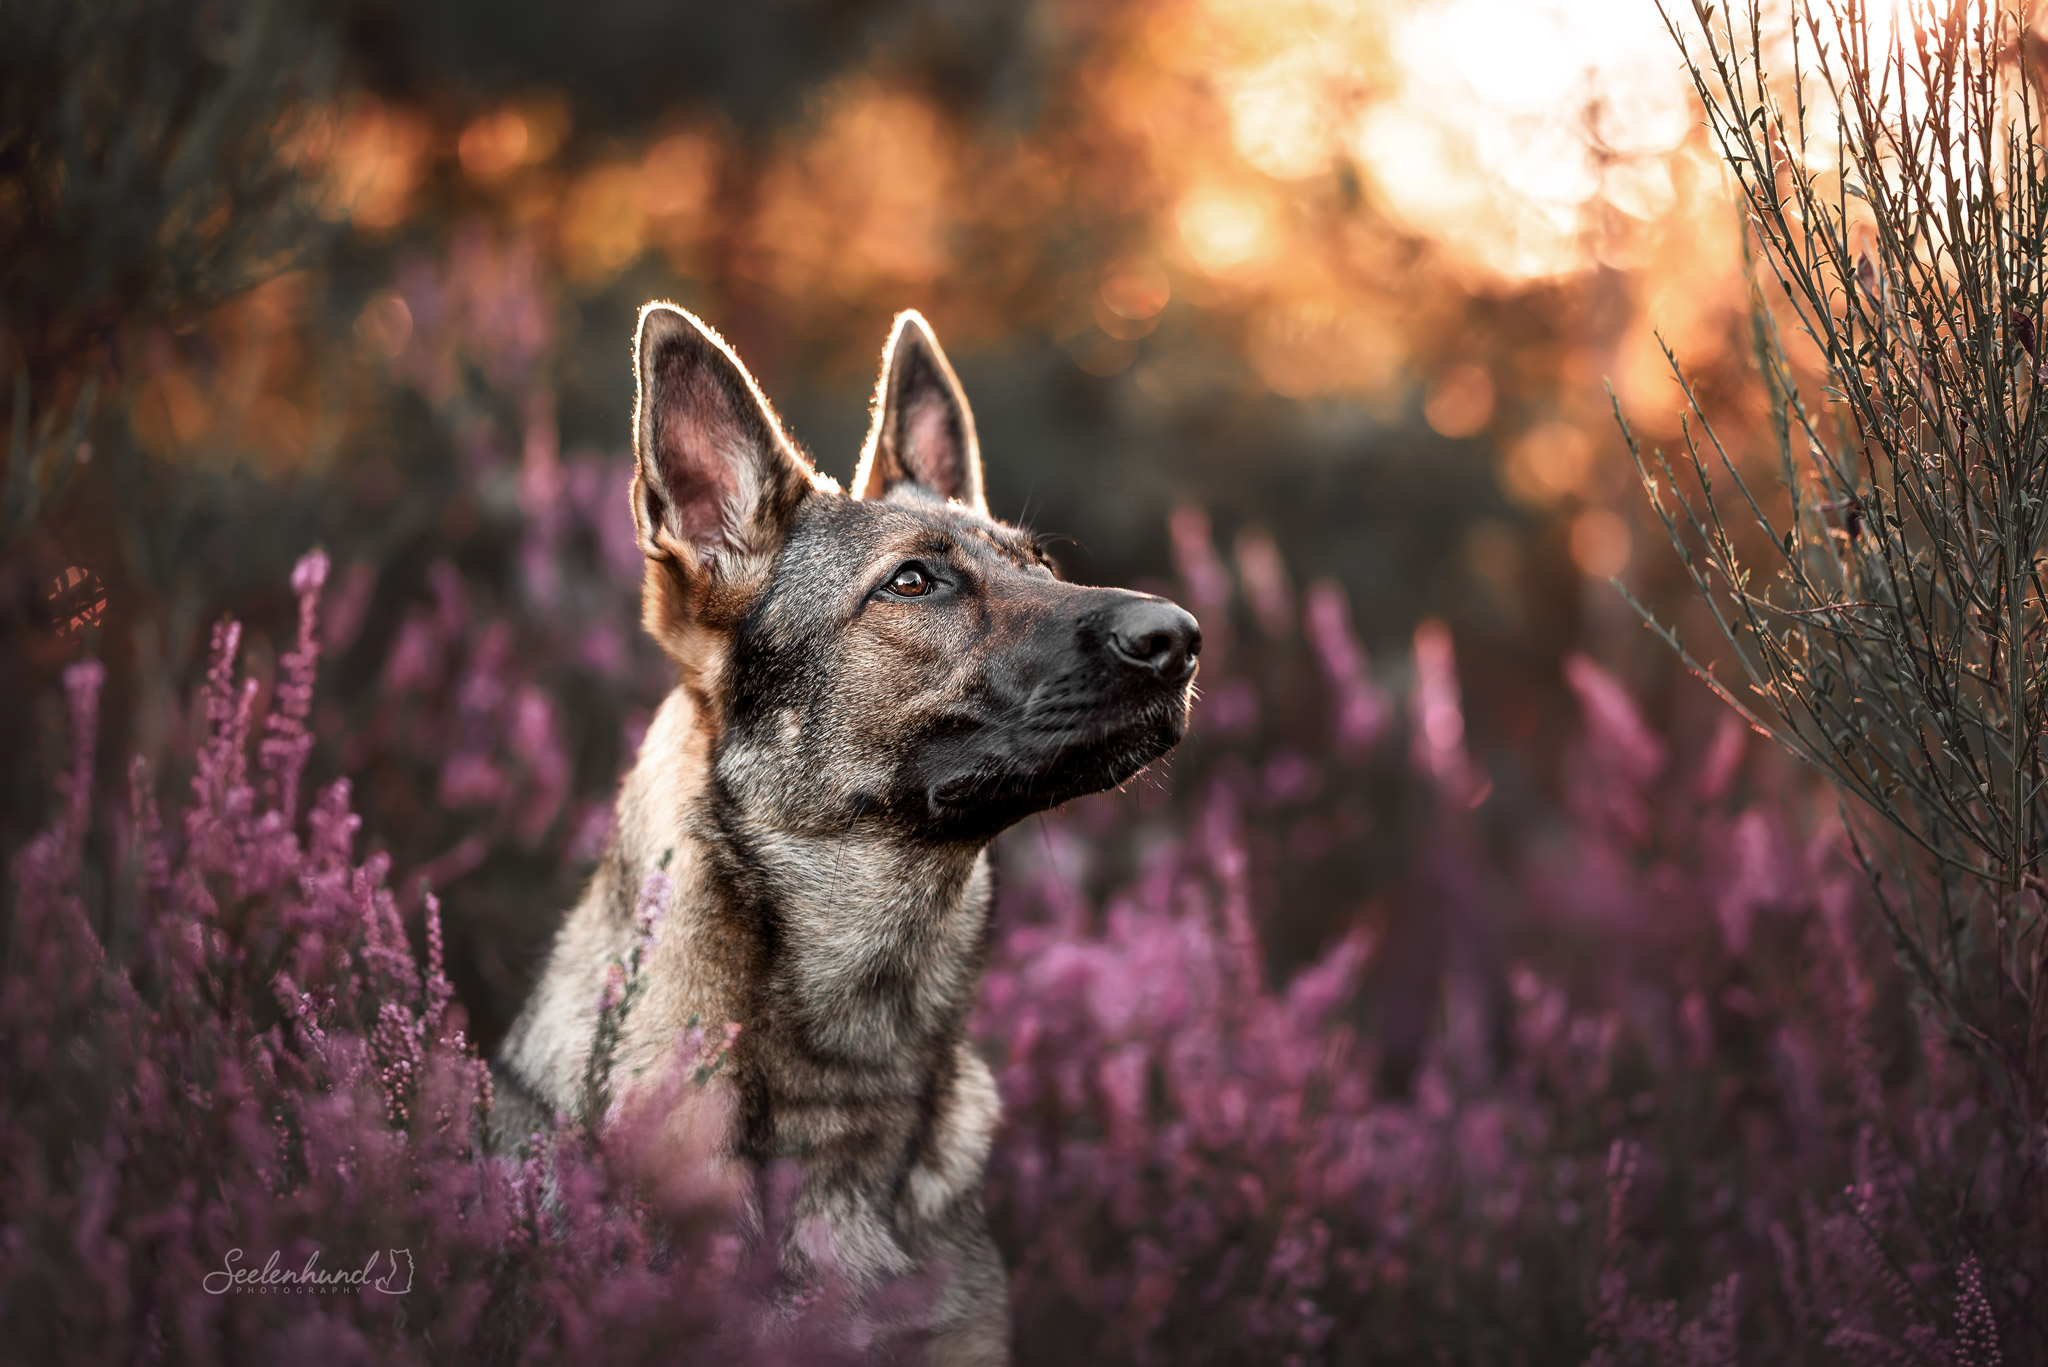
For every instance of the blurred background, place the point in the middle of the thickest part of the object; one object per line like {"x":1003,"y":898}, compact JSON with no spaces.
{"x":1350,"y":281}
{"x":1468,"y":986}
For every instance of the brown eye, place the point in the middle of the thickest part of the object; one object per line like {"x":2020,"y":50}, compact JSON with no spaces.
{"x":910,"y":582}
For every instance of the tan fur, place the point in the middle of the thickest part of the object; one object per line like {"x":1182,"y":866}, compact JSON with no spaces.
{"x":551,"y":1040}
{"x":826,"y":895}
{"x":697,"y":974}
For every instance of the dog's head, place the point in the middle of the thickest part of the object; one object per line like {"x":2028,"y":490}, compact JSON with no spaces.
{"x":892,"y":653}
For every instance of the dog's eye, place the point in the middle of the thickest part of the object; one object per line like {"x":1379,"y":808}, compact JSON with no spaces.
{"x":910,"y":582}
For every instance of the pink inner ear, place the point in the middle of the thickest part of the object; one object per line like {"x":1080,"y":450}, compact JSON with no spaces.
{"x":701,"y":446}
{"x":929,"y":452}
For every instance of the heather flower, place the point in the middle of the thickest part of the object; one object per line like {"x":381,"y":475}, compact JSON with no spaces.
{"x":272,"y":1067}
{"x":1263,"y":574}
{"x":1208,"y":582}
{"x":1622,"y":757}
{"x":286,"y":742}
{"x":655,"y":891}
{"x":1437,"y":715}
{"x":1362,"y":712}
{"x":1203,"y":1158}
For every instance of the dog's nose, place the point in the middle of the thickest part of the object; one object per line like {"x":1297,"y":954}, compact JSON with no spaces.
{"x":1157,"y":636}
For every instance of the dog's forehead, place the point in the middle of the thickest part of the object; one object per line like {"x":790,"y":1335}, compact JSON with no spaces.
{"x":854,"y":532}
{"x":837,"y":544}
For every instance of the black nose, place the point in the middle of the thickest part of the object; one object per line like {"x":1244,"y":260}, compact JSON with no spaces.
{"x":1153,"y":634}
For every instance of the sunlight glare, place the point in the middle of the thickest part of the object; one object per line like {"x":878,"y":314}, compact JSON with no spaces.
{"x":1223,"y":231}
{"x":1513,"y":117}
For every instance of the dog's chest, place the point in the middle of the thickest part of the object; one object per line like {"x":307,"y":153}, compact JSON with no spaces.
{"x":877,"y":947}
{"x":911,"y":1138}
{"x":860,"y":1063}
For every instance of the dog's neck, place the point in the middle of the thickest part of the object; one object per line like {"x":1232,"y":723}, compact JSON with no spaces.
{"x":866,"y":941}
{"x":877,"y":940}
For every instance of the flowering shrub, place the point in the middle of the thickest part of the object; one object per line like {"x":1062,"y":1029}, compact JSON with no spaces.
{"x":1681,"y":1116}
{"x":1308,"y":1054}
{"x":269,"y":1074}
{"x":1702,"y":1128}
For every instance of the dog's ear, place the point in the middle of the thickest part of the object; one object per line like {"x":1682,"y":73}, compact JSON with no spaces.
{"x":715,"y":480}
{"x":923,"y":432}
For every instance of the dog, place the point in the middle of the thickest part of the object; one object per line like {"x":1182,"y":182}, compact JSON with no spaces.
{"x":872,"y":683}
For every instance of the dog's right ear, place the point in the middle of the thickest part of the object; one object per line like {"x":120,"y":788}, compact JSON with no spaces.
{"x":715,"y":481}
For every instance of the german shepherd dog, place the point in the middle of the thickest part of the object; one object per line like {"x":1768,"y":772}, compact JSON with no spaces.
{"x":872,"y":684}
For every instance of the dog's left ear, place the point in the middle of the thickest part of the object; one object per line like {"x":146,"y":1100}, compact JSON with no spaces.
{"x":923,"y":433}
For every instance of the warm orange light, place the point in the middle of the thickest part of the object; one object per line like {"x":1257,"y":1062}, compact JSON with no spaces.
{"x":493,"y":144}
{"x":1460,"y":403}
{"x":1514,"y":116}
{"x":1550,"y":462}
{"x":602,"y":226}
{"x":374,"y":157}
{"x":1601,"y":543}
{"x":1224,"y":232}
{"x":1330,"y":178}
{"x":1324,"y":345}
{"x":1135,"y":288}
{"x":679,"y":176}
{"x":865,"y":201}
{"x":385,"y":324}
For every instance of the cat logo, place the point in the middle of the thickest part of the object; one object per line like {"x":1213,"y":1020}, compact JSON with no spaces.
{"x":398,"y":1280}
